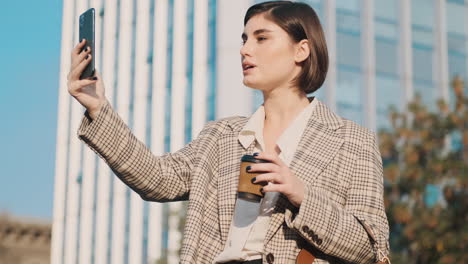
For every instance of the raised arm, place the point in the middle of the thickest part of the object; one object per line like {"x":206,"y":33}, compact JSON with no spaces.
{"x":164,"y":178}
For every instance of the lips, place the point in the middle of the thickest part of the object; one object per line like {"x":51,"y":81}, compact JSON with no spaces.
{"x":247,"y":65}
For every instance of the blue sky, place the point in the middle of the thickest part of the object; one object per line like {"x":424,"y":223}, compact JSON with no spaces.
{"x":29,"y":74}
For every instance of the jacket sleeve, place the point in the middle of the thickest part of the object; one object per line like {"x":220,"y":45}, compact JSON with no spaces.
{"x":348,"y":232}
{"x":155,"y":178}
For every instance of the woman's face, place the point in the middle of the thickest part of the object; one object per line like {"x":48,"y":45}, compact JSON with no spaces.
{"x":272,"y":52}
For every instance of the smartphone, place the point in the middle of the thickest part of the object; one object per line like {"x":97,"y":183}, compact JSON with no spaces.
{"x":87,"y":21}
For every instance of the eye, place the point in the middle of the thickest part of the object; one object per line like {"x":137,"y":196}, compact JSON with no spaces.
{"x":261,"y":38}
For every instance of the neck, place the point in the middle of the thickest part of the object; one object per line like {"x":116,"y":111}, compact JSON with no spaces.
{"x":282,"y":105}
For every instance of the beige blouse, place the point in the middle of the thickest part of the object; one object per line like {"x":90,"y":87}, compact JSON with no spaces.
{"x":250,"y":222}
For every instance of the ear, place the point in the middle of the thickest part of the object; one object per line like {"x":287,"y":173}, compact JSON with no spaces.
{"x":302,"y":51}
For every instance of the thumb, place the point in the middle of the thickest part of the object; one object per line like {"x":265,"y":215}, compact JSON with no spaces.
{"x":100,"y":83}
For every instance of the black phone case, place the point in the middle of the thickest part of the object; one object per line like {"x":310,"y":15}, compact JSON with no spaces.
{"x":87,"y":20}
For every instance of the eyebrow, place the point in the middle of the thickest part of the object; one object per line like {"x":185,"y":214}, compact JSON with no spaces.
{"x":256,"y":32}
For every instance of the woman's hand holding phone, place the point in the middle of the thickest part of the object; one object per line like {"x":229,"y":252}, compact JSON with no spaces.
{"x":88,"y":92}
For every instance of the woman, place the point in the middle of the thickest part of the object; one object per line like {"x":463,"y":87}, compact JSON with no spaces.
{"x":324,"y":190}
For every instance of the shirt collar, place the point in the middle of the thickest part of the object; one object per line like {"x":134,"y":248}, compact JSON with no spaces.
{"x":253,"y":129}
{"x":290,"y":137}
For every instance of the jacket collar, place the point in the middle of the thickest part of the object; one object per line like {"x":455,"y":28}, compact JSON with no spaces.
{"x":322,"y":114}
{"x":319,"y":143}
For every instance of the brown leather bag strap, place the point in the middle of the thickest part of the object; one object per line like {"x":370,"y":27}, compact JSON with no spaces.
{"x":305,"y":257}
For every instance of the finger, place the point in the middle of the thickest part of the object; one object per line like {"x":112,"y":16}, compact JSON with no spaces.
{"x":78,"y":58}
{"x":79,"y":47}
{"x":97,"y":74}
{"x":94,"y":74}
{"x":269,"y":177}
{"x":85,"y":82}
{"x":78,"y":70}
{"x":76,"y":86}
{"x":273,"y":188}
{"x":266,"y":167}
{"x":270,"y":157}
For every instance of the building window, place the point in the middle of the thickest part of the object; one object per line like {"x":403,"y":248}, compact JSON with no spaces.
{"x":348,"y":44}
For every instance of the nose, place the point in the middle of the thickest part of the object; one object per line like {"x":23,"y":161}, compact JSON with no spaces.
{"x":245,"y":49}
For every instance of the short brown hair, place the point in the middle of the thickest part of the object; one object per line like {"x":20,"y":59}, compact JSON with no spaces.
{"x":300,"y":21}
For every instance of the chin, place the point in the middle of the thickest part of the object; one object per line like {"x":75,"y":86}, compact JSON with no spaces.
{"x":250,"y":84}
{"x":255,"y":85}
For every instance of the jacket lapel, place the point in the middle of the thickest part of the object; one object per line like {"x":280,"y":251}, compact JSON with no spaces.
{"x":230,"y":153}
{"x":318,"y":145}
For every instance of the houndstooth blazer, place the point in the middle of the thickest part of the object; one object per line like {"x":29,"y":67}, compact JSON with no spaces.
{"x":342,"y":212}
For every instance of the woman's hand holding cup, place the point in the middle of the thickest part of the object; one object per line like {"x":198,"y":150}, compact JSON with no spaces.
{"x":88,"y":92}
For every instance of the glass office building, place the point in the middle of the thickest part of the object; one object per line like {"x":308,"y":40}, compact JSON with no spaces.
{"x":170,"y":66}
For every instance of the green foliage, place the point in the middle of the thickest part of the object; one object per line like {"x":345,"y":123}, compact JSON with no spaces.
{"x":425,"y":157}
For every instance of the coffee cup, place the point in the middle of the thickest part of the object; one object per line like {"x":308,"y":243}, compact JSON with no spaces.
{"x":247,"y":190}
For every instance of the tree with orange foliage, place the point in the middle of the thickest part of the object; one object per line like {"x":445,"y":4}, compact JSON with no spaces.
{"x":425,"y":157}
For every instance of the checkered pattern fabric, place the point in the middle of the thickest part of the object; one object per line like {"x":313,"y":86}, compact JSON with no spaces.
{"x":338,"y":161}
